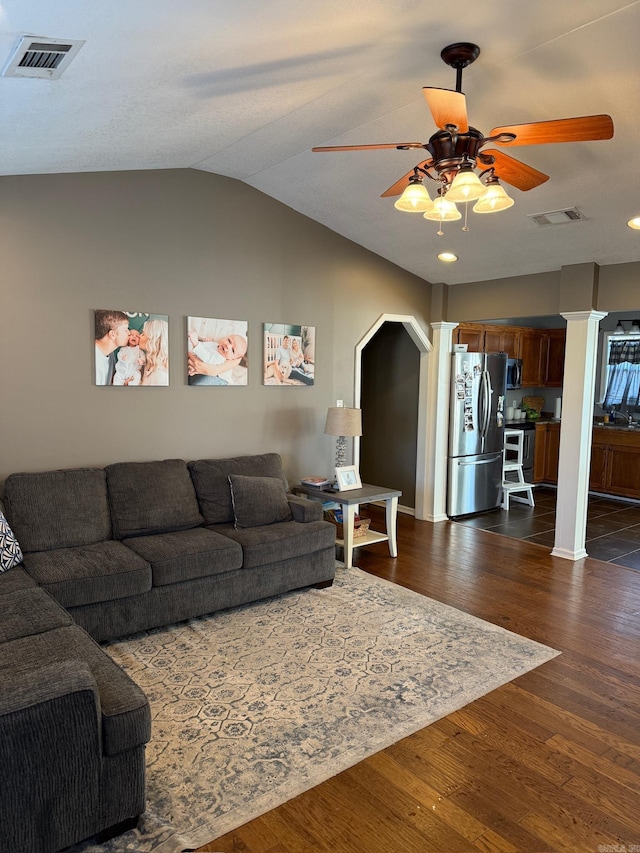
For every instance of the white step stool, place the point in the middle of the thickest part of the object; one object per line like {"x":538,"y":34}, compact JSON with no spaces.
{"x":513,"y":442}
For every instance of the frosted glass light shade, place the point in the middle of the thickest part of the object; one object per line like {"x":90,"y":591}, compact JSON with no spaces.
{"x":443,"y":211}
{"x":466,"y":186}
{"x":494,"y":200}
{"x":415,"y":199}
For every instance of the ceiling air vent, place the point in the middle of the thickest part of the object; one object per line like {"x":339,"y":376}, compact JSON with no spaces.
{"x":558,"y":217}
{"x":40,"y":57}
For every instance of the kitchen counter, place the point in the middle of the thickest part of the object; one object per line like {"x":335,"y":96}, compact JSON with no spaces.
{"x":625,"y":427}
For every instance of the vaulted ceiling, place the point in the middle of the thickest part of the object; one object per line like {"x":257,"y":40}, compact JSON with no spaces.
{"x":245,"y":88}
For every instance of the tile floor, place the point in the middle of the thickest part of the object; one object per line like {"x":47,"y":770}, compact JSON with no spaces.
{"x":613,"y":526}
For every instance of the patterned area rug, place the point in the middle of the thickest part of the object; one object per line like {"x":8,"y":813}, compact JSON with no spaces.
{"x":254,"y":705}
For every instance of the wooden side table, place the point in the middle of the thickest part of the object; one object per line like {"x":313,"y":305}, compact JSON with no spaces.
{"x":350,"y":501}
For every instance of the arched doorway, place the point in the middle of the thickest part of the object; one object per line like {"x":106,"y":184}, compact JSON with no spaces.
{"x":390,"y":387}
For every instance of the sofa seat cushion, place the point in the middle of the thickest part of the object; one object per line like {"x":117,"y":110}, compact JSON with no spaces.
{"x":14,"y":580}
{"x":211,"y":480}
{"x":126,"y":720}
{"x":151,"y":497}
{"x":276,"y":542}
{"x":90,"y":574}
{"x":186,"y":554}
{"x":58,"y":509}
{"x":30,"y":611}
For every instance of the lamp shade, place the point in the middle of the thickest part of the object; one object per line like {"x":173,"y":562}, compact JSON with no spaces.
{"x":443,"y":211}
{"x":343,"y":421}
{"x":415,"y":199}
{"x":466,"y":186}
{"x":494,"y":199}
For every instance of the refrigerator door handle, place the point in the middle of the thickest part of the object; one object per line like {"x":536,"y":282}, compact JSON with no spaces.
{"x":486,"y":401}
{"x":478,"y":462}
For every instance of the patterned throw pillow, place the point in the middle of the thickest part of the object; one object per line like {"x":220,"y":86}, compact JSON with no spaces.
{"x":10,"y":552}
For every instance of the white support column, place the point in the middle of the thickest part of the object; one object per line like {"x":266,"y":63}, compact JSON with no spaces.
{"x":438,"y":421}
{"x":575,"y":433}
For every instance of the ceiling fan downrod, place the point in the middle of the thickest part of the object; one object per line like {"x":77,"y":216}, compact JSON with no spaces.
{"x":458,"y":56}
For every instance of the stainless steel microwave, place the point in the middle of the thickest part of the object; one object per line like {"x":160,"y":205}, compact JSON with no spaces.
{"x":514,"y":373}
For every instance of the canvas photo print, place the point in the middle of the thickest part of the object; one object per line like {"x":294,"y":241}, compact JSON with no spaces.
{"x":217,"y":351}
{"x":131,"y":348}
{"x":289,"y":354}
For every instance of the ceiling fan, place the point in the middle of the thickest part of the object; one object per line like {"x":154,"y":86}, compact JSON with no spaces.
{"x":456,"y":149}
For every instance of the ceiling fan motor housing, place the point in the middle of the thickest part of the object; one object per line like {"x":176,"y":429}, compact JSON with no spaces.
{"x":451,"y":150}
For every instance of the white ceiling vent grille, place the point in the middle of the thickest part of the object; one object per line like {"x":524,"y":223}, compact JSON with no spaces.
{"x":40,"y":57}
{"x":558,"y":217}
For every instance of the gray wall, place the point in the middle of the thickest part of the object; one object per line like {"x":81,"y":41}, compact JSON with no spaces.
{"x":177,"y":242}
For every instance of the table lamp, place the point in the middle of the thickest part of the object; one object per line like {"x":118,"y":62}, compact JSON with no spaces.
{"x":343,"y":422}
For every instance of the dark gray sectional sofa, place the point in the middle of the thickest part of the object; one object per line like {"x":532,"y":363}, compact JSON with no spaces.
{"x":106,"y":553}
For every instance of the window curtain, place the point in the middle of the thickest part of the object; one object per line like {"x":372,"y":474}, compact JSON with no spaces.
{"x":623,"y":385}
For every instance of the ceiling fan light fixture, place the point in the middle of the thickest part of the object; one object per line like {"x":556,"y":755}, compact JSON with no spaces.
{"x":494,"y":199}
{"x":444,"y":210}
{"x":414,"y":199}
{"x":634,"y":223}
{"x":466,"y":186}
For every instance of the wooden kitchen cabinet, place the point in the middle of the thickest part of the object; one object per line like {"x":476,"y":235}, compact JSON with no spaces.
{"x":598,"y":466}
{"x":541,"y":350}
{"x":547,"y":451}
{"x":554,"y":347}
{"x":532,"y":353}
{"x":502,"y":339}
{"x":471,"y":334}
{"x":615,"y":462}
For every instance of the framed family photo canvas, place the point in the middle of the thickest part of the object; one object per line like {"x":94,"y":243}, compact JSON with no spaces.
{"x":217,"y":351}
{"x":289,"y":354}
{"x":131,"y":348}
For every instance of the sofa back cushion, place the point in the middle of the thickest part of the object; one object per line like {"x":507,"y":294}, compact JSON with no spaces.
{"x":151,"y":497}
{"x":58,"y":509}
{"x":211,"y":480}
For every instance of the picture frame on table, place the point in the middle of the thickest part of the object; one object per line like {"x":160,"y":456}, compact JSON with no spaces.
{"x":347,"y":478}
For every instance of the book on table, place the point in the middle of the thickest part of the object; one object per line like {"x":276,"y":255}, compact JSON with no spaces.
{"x":316,"y":482}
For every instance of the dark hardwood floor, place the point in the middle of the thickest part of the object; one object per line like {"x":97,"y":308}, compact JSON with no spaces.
{"x":549,"y":762}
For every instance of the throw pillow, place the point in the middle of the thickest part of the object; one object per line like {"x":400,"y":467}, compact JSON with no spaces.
{"x":10,"y":551}
{"x":258,"y":501}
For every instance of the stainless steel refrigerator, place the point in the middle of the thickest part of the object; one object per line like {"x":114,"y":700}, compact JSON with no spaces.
{"x":476,"y":432}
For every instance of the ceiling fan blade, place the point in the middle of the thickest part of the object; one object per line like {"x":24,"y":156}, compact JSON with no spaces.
{"x":514,"y":172}
{"x":400,"y":145}
{"x":400,"y":185}
{"x":447,"y":107}
{"x":581,"y":129}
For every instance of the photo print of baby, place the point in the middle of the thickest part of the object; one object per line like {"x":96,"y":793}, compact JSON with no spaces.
{"x":216,"y":351}
{"x":131,"y":348}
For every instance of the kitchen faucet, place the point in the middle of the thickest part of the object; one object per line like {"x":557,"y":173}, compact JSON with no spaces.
{"x":626,"y":415}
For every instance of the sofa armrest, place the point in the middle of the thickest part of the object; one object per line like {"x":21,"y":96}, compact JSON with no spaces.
{"x":304,"y":510}
{"x":51,"y":758}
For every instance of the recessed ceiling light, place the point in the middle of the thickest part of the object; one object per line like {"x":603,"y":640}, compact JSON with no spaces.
{"x":447,"y":257}
{"x":634,"y":223}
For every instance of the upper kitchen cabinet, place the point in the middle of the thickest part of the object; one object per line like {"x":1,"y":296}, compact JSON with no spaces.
{"x":502,"y":339}
{"x":554,"y":362}
{"x":532,"y":353}
{"x":541,"y":350}
{"x":470,"y":334}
